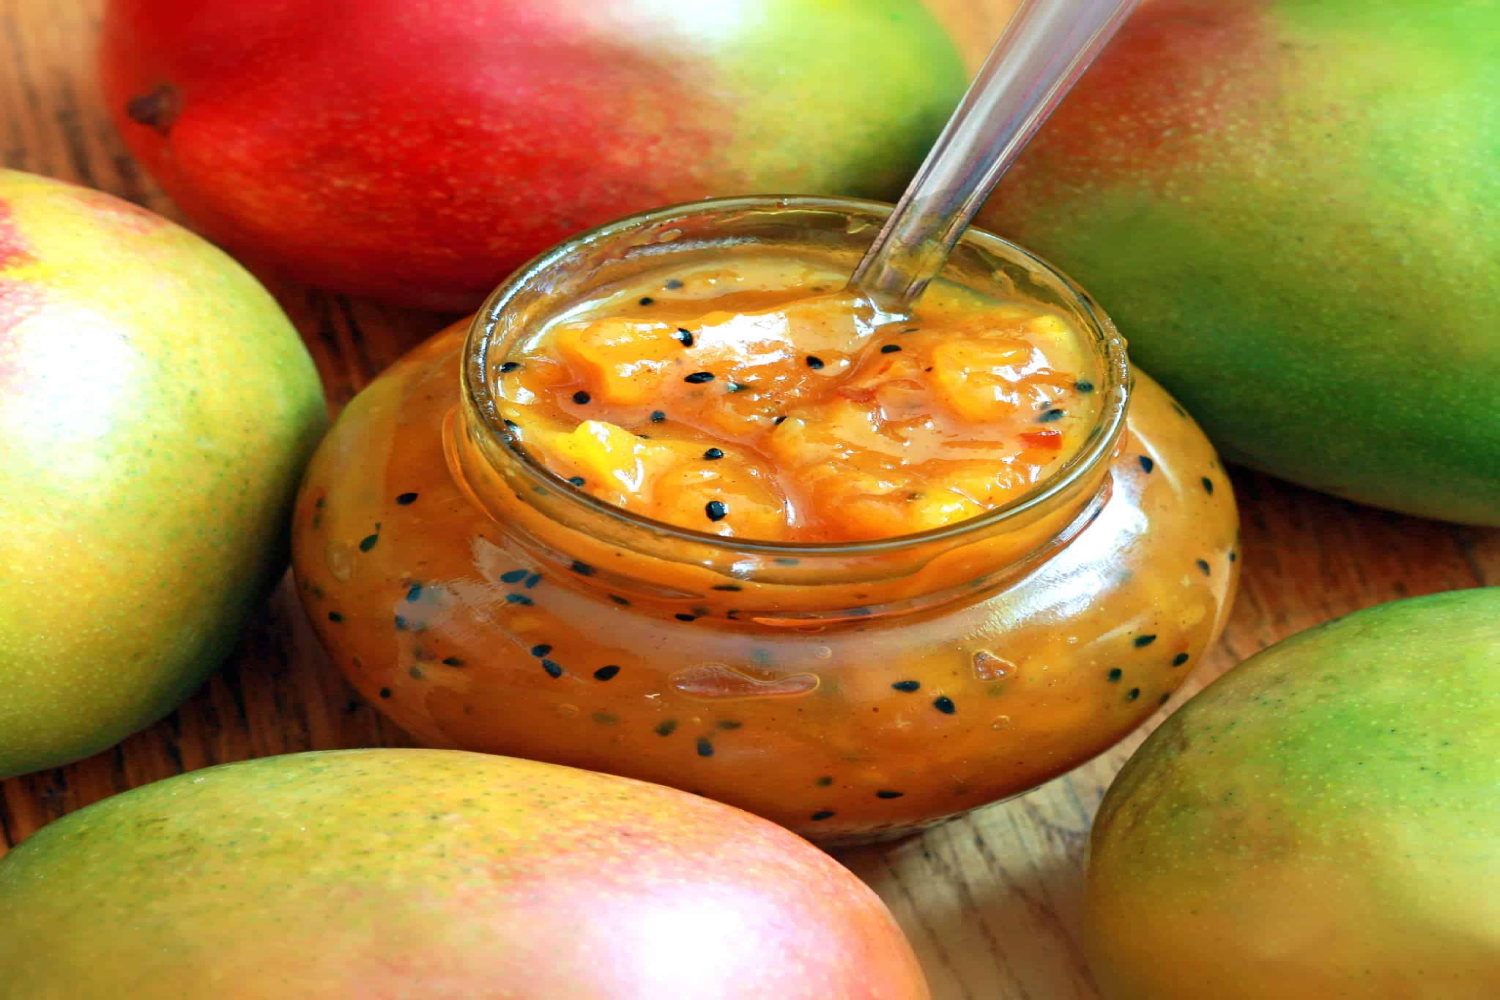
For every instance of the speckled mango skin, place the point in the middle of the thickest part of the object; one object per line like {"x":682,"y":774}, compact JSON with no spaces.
{"x":156,"y":409}
{"x":439,"y":875}
{"x":1290,"y":207}
{"x":1321,"y":822}
{"x":420,"y":157}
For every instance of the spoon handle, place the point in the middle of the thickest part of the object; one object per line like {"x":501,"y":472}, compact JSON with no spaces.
{"x":1044,"y":50}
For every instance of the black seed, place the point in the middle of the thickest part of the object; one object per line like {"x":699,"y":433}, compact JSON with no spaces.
{"x":728,"y":586}
{"x":319,"y":504}
{"x":1115,"y":674}
{"x":713,"y":453}
{"x":509,"y":366}
{"x":576,"y":480}
{"x":513,"y":576}
{"x":540,"y":650}
{"x":1164,"y":698}
{"x":1233,"y":556}
{"x":886,"y":794}
{"x":605,"y":718}
{"x":778,"y":420}
{"x":907,"y":686}
{"x":1084,"y":386}
{"x":1146,"y":463}
{"x":944,"y":704}
{"x":1179,"y":659}
{"x":666,"y":728}
{"x":1132,"y":694}
{"x":657,"y":416}
{"x":860,"y":611}
{"x":452,"y":661}
{"x":685,"y":617}
{"x":729,"y":724}
{"x":401,"y":624}
{"x":416,"y":673}
{"x":1144,"y":640}
{"x":716,"y":510}
{"x":698,"y":378}
{"x":824,"y":781}
{"x":533,"y":580}
{"x":553,"y":670}
{"x":684,"y":337}
{"x":786,"y":560}
{"x":619,"y":600}
{"x":890,"y":349}
{"x":334,"y":616}
{"x":414,"y":593}
{"x":406,"y":499}
{"x":821,"y":814}
{"x":1203,"y":565}
{"x":647,"y":300}
{"x":385,"y":692}
{"x":705,"y":747}
{"x":581,"y":398}
{"x":519,"y":599}
{"x":1049,"y":416}
{"x":605,"y":673}
{"x":672,"y":285}
{"x":1208,"y":485}
{"x":512,"y":424}
{"x":814,"y":362}
{"x":582,"y":568}
{"x":368,"y":542}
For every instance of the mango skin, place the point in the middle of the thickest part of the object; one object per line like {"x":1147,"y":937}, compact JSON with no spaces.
{"x":439,"y":875}
{"x":1320,"y":822}
{"x":156,"y":409}
{"x":1289,"y":208}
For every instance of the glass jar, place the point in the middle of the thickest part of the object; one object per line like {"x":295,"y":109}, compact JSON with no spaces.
{"x":852,"y":692}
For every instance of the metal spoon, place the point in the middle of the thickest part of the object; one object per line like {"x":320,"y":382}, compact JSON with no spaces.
{"x":1044,"y":50}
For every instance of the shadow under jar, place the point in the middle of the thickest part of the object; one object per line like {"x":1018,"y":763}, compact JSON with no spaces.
{"x":851,"y":691}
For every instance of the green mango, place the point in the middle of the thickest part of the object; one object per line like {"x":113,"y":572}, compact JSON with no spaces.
{"x":1322,"y":821}
{"x":1290,"y":209}
{"x":156,"y":409}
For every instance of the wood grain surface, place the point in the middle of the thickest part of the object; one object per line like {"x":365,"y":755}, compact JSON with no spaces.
{"x":991,"y":901}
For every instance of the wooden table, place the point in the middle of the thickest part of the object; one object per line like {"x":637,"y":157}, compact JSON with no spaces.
{"x":990,"y":901}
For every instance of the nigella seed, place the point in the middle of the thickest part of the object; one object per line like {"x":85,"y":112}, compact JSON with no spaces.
{"x":519,"y":599}
{"x":733,"y":587}
{"x":1115,"y":674}
{"x":911,"y":329}
{"x":657,"y":416}
{"x":406,"y":499}
{"x":698,"y":378}
{"x":582,"y":568}
{"x":944,"y":704}
{"x":907,"y":686}
{"x":540,"y":650}
{"x":1233,"y":556}
{"x":1084,"y":386}
{"x":666,"y":728}
{"x":685,"y":618}
{"x":647,"y":300}
{"x":1203,"y":565}
{"x":1144,"y":640}
{"x":821,"y":814}
{"x":335,"y":617}
{"x":824,"y":781}
{"x":533,"y":580}
{"x":716,"y":510}
{"x":581,"y":398}
{"x":509,"y":367}
{"x":1132,"y":694}
{"x":385,"y":692}
{"x":887,"y":794}
{"x":401,"y":623}
{"x":513,"y":576}
{"x":553,"y":670}
{"x":1208,"y":485}
{"x":786,"y":560}
{"x":606,"y":673}
{"x":705,"y":747}
{"x":713,"y":453}
{"x":684,"y":337}
{"x":814,"y":362}
{"x":729,"y":724}
{"x":1146,"y":463}
{"x":452,"y":661}
{"x":414,"y":593}
{"x":416,"y":673}
{"x":1179,"y":659}
{"x":512,"y":424}
{"x":619,"y":600}
{"x":1050,"y":415}
{"x":890,"y":348}
{"x":576,"y":480}
{"x":1164,"y":698}
{"x":368,"y":542}
{"x":672,"y":285}
{"x":779,"y":419}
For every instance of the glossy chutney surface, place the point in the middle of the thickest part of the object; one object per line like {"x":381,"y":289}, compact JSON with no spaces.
{"x":852,"y":726}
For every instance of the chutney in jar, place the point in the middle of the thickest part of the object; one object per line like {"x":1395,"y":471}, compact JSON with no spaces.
{"x":855,"y":595}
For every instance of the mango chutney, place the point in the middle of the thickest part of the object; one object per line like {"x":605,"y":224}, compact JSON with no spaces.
{"x":675,"y":506}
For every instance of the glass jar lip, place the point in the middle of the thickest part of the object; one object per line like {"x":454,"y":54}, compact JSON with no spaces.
{"x":476,"y":385}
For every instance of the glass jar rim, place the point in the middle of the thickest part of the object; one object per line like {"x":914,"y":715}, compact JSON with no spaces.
{"x":1106,"y":341}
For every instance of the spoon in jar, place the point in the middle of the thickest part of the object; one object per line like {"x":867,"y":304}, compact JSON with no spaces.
{"x":1044,"y":50}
